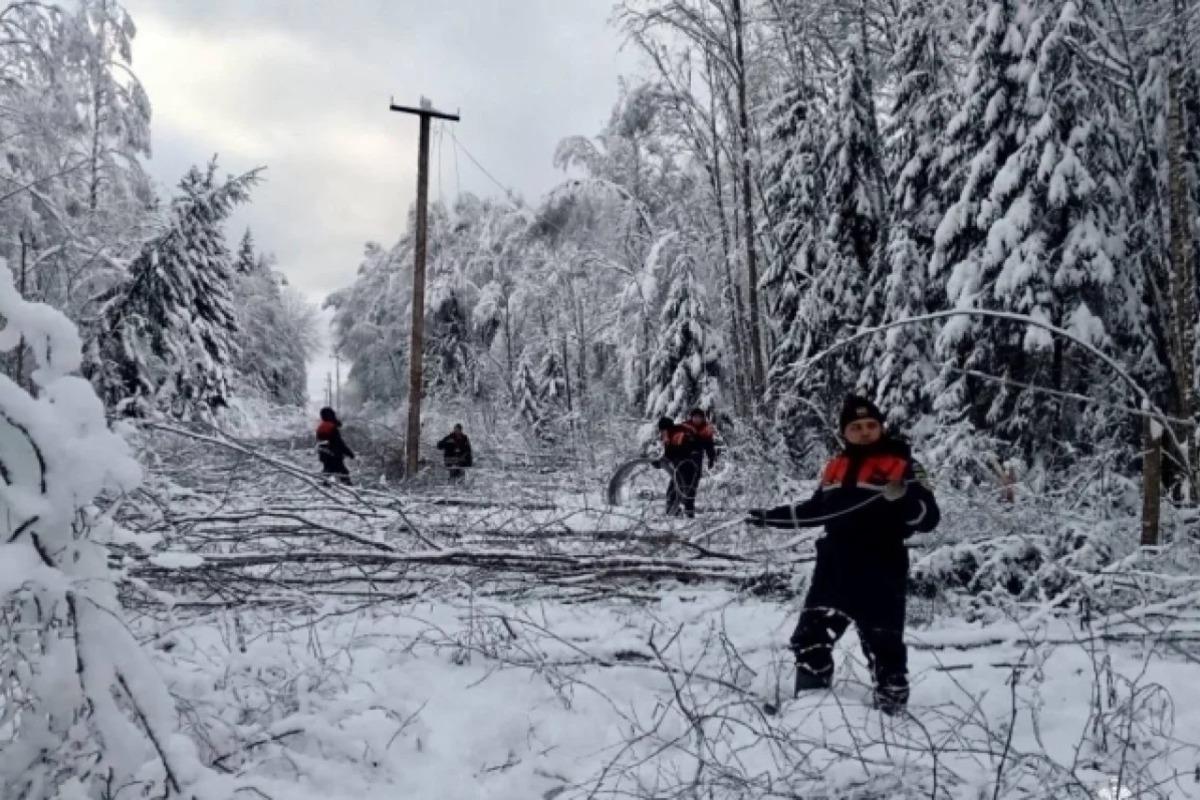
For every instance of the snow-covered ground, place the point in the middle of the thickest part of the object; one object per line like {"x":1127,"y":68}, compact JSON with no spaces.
{"x":491,"y":699}
{"x":517,"y":639}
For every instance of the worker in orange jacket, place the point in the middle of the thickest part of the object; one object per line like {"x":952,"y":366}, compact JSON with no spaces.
{"x":872,"y":496}
{"x":684,"y":449}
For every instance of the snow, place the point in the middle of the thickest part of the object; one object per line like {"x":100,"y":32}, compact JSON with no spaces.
{"x":176,"y":560}
{"x":222,"y":628}
{"x":490,"y":684}
{"x":438,"y":700}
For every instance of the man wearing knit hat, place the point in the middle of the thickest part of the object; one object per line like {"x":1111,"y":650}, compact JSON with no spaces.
{"x":869,"y":500}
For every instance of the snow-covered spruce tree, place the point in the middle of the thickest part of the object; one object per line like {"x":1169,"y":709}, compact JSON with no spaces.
{"x":792,"y":207}
{"x":834,"y":302}
{"x":685,"y":368}
{"x":168,"y":335}
{"x":1076,"y":207}
{"x":1157,"y":43}
{"x":84,"y":711}
{"x":276,"y":332}
{"x":451,"y":364}
{"x":641,"y":301}
{"x":898,"y":365}
{"x":985,"y":131}
{"x":246,"y":260}
{"x":793,"y":193}
{"x":552,"y":382}
{"x":1055,"y":225}
{"x":527,"y":393}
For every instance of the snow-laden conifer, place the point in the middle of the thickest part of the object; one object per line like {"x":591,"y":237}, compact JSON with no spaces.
{"x":169,"y":335}
{"x":685,"y":368}
{"x":1049,"y":230}
{"x":833,"y":303}
{"x":899,"y":365}
{"x":986,"y":130}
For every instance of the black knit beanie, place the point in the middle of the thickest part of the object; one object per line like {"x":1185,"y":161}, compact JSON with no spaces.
{"x":856,"y":408}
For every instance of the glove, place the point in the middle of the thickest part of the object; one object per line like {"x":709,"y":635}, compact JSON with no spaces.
{"x":712,"y":462}
{"x":756,"y":517}
{"x":657,"y":463}
{"x":894,"y":491}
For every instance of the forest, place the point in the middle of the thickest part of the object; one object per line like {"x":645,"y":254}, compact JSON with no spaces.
{"x":977,"y":217}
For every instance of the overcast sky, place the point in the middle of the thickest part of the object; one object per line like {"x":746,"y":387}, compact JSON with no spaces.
{"x":303,"y":88}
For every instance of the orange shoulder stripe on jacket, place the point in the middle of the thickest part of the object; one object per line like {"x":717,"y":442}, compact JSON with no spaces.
{"x":883,"y":467}
{"x":835,"y":470}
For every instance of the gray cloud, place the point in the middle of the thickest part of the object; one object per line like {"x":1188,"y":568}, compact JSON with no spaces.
{"x":302,"y":88}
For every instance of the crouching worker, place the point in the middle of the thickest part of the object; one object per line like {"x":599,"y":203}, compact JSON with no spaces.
{"x":871,"y":498}
{"x":331,"y":449}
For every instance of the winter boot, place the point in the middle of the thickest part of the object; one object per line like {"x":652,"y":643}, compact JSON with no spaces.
{"x":807,"y":680}
{"x":891,"y":700}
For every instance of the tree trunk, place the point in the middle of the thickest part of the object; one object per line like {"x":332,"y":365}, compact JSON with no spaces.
{"x":733,"y":295}
{"x":566,"y":370}
{"x":97,"y":108}
{"x":1151,"y":482}
{"x":1183,"y":289}
{"x":756,"y":356}
{"x":510,"y":379}
{"x":20,"y":366}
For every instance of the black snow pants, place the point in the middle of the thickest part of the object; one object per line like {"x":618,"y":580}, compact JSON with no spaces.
{"x":334,"y":465}
{"x":850,"y":584}
{"x":681,"y":491}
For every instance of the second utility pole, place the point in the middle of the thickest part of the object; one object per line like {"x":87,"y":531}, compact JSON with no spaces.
{"x":412,"y":444}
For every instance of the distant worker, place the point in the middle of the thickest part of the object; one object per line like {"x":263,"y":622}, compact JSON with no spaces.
{"x":331,"y":449}
{"x":456,"y":451}
{"x":684,"y":447}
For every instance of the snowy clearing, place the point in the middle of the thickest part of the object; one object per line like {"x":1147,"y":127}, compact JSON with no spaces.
{"x":528,"y":641}
{"x":463,"y":699}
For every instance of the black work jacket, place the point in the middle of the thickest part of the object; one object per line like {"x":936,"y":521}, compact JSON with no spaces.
{"x":456,"y":450}
{"x":849,"y":501}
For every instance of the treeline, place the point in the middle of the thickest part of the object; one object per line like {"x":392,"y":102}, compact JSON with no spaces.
{"x":173,"y":321}
{"x":792,"y":174}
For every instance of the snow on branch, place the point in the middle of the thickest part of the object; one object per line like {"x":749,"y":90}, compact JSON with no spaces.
{"x":1146,"y":401}
{"x":81,"y":710}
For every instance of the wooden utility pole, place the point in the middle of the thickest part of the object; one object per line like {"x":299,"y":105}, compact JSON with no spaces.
{"x":412,"y":444}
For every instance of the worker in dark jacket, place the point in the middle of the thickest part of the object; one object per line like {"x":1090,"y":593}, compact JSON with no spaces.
{"x":872,"y":497}
{"x":684,"y":449}
{"x":456,"y":452}
{"x":331,"y":449}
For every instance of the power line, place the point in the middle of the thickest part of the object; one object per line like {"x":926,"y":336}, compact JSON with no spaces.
{"x":441,"y":135}
{"x":507,"y":192}
{"x":457,"y":174}
{"x":1069,"y":396}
